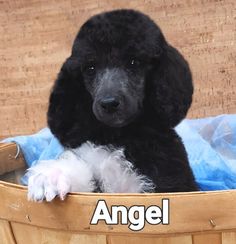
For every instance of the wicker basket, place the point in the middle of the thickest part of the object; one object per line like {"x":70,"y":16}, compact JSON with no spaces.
{"x":35,"y":38}
{"x":195,"y":218}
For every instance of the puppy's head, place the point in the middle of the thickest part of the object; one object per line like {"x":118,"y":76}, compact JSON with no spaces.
{"x":122,"y":61}
{"x":115,"y":51}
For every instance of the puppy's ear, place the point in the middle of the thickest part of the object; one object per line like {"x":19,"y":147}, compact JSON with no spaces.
{"x":67,"y":102}
{"x":169,"y":87}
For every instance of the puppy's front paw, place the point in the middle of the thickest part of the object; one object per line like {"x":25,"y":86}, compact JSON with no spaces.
{"x":46,"y":182}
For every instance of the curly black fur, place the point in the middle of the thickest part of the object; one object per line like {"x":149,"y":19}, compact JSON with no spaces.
{"x":129,"y":42}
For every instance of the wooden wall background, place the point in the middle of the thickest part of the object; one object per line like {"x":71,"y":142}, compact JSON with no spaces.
{"x":36,"y":36}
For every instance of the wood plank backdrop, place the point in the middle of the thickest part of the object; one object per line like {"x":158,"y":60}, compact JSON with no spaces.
{"x":36,"y":36}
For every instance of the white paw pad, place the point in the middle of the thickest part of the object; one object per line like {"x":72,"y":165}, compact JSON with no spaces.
{"x":45,"y":183}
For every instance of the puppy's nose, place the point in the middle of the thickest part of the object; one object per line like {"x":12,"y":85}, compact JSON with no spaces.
{"x":110,"y":104}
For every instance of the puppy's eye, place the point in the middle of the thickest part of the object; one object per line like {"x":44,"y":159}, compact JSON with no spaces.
{"x":134,"y":62}
{"x":90,"y":69}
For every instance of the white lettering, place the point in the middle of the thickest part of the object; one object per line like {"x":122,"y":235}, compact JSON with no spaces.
{"x":101,"y":213}
{"x":139,"y":222}
{"x":153,"y":215}
{"x":135,"y":215}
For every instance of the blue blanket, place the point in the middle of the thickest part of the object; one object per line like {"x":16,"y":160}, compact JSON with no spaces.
{"x":210,"y":144}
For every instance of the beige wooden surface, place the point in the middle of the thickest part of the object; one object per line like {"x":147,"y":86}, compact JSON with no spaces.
{"x":215,"y":238}
{"x":22,"y":234}
{"x":9,"y":153}
{"x":185,"y":239}
{"x":36,"y":36}
{"x":40,"y":235}
{"x":6,"y":235}
{"x":229,"y":238}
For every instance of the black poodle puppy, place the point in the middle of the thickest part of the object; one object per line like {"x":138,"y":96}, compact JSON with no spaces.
{"x":122,"y":91}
